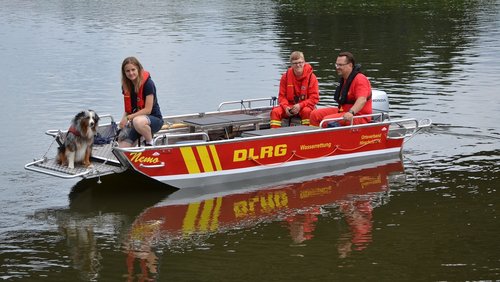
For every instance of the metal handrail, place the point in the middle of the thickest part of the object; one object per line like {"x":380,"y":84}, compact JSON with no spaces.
{"x":204,"y":136}
{"x":55,"y":132}
{"x":379,"y":115}
{"x":272,"y":101}
{"x":107,"y":116}
{"x":160,"y":165}
{"x":131,"y":149}
{"x":426,"y":122}
{"x":410,"y":130}
{"x":419,"y":124}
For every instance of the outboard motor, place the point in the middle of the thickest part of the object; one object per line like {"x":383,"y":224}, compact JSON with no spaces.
{"x":380,"y":103}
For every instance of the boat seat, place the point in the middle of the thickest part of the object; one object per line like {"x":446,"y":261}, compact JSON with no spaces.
{"x":212,"y":122}
{"x":292,"y":121}
{"x":229,"y":125}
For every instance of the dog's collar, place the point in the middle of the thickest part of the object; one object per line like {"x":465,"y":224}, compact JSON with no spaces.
{"x":73,"y":130}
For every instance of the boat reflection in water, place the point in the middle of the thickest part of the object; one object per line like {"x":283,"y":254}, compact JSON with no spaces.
{"x":149,"y":221}
{"x":189,"y":214}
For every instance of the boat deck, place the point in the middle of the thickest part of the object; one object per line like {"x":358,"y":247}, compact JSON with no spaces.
{"x":103,"y":162}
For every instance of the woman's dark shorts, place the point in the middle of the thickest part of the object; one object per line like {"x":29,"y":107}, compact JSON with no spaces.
{"x":130,"y":135}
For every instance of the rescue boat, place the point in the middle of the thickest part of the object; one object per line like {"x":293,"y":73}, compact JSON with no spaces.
{"x":235,"y":143}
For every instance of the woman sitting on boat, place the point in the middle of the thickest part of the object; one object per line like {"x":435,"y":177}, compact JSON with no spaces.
{"x":298,"y":93}
{"x":142,"y":116}
{"x":353,"y":95}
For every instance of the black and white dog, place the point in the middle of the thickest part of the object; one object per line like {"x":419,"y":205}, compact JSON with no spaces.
{"x":77,"y":146}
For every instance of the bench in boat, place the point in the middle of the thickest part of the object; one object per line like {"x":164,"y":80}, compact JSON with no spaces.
{"x":227,"y":123}
{"x":213,"y":122}
{"x":203,"y":129}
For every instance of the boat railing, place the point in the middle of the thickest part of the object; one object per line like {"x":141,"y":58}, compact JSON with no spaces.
{"x":107,"y":116}
{"x":56,"y":132}
{"x":246,"y":104}
{"x":375,"y":117}
{"x":137,"y":149}
{"x":164,"y":138}
{"x":406,"y":128}
{"x":398,"y":129}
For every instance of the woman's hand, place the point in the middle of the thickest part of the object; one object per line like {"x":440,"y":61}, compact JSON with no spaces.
{"x":123,"y":122}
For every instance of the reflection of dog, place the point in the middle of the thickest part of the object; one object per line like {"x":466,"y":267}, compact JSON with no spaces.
{"x":77,"y":146}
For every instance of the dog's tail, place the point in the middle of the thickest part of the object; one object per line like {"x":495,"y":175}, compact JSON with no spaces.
{"x":60,"y":154}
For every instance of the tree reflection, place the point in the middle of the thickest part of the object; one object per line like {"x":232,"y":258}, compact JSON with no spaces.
{"x":391,"y":39}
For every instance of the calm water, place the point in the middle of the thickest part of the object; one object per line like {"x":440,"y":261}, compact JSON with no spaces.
{"x":431,"y":217}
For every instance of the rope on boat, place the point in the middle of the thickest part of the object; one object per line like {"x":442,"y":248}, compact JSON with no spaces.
{"x":326,"y":155}
{"x":58,"y":135}
{"x":294,"y":153}
{"x":359,"y":147}
{"x":259,"y":163}
{"x":97,"y":171}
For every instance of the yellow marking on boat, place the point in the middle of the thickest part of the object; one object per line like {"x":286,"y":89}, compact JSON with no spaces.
{"x":316,"y":192}
{"x":205,"y":158}
{"x":370,"y":180}
{"x":215,"y":156}
{"x":190,"y":160}
{"x":215,"y":216}
{"x":205,"y":215}
{"x":189,"y":222}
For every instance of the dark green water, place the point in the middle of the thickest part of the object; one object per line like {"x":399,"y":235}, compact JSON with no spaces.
{"x":431,"y":217}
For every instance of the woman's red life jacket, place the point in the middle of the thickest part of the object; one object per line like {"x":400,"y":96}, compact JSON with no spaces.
{"x":140,"y":98}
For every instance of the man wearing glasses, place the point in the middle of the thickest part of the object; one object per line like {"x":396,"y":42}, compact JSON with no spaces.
{"x":353,"y":95}
{"x":298,"y":93}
